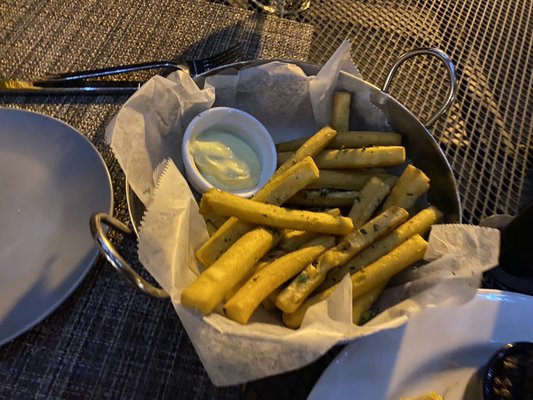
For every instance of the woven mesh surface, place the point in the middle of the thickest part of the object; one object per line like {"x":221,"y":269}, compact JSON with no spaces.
{"x":487,"y":135}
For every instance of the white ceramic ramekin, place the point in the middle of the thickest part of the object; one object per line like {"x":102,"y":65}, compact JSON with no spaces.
{"x":244,"y":126}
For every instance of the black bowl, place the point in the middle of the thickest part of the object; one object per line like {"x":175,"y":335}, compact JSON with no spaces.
{"x":508,"y":375}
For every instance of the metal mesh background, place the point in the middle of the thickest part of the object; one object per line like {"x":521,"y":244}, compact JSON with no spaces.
{"x":487,"y":134}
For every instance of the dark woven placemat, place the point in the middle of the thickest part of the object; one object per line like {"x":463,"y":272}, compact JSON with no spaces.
{"x":106,"y":341}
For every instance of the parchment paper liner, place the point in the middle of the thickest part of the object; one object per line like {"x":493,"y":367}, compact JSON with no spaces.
{"x":145,"y":137}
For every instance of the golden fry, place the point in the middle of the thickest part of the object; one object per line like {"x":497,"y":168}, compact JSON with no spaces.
{"x":229,"y":204}
{"x":348,"y":180}
{"x":211,"y":229}
{"x":412,"y":184}
{"x":216,"y":220}
{"x":369,"y":157}
{"x":368,"y":201}
{"x":311,"y":147}
{"x":340,"y":120}
{"x":359,"y":306}
{"x":379,"y":156}
{"x":262,"y":263}
{"x":384,"y":268}
{"x":314,"y":274}
{"x":221,"y":240}
{"x":324,"y":198}
{"x":362,"y":304}
{"x":283,"y":186}
{"x":276,"y":191}
{"x":368,"y":283}
{"x":241,"y":306}
{"x":291,"y":239}
{"x":209,"y":288}
{"x":418,"y":224}
{"x":350,"y":139}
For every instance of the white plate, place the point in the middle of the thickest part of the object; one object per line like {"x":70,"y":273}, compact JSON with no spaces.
{"x":52,"y":179}
{"x":438,"y":351}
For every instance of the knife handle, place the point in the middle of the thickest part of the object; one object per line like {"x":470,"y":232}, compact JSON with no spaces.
{"x":101,"y":72}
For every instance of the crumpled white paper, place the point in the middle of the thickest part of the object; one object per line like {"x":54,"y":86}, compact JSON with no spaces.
{"x":150,"y":126}
{"x":291,"y":104}
{"x":458,"y":256}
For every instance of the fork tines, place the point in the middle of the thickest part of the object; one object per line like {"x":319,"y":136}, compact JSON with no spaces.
{"x":231,"y":54}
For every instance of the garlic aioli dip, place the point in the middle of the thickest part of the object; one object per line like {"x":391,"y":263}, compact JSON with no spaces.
{"x":225,"y":160}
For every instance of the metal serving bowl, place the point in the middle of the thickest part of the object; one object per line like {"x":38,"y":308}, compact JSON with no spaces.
{"x":421,"y":149}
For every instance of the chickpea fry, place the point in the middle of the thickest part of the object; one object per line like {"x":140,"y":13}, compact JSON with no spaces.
{"x":209,"y":288}
{"x":229,"y":204}
{"x":276,"y":191}
{"x":350,"y":139}
{"x":241,"y":306}
{"x":314,"y":274}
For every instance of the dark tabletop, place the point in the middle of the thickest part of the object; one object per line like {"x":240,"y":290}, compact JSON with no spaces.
{"x":109,"y":341}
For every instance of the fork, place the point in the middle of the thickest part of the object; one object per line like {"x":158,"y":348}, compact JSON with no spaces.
{"x":194,"y":67}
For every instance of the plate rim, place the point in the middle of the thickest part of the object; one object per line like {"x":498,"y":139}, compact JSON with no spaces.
{"x":94,"y":254}
{"x":481,"y":293}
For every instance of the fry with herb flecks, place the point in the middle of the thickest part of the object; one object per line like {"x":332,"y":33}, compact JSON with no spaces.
{"x":373,"y":277}
{"x":276,"y":191}
{"x":263,"y":262}
{"x":368,"y":201}
{"x":348,"y":180}
{"x":386,"y":267}
{"x":366,"y":157}
{"x":209,"y":288}
{"x":412,"y":184}
{"x":291,"y":239}
{"x":418,"y":224}
{"x":324,"y":198}
{"x":241,"y":306}
{"x":350,"y":139}
{"x":229,"y":204}
{"x":340,"y":120}
{"x":311,"y":147}
{"x":369,"y":157}
{"x":314,"y":274}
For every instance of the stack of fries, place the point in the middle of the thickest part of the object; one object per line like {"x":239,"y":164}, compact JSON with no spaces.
{"x":262,"y":254}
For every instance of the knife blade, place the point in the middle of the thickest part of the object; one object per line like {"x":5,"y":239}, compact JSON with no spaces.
{"x":17,"y":86}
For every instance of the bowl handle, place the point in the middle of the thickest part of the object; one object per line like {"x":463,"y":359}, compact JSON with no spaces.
{"x":452,"y":91}
{"x":98,"y":231}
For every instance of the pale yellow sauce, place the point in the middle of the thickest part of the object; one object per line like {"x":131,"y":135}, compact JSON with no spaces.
{"x":225,"y":160}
